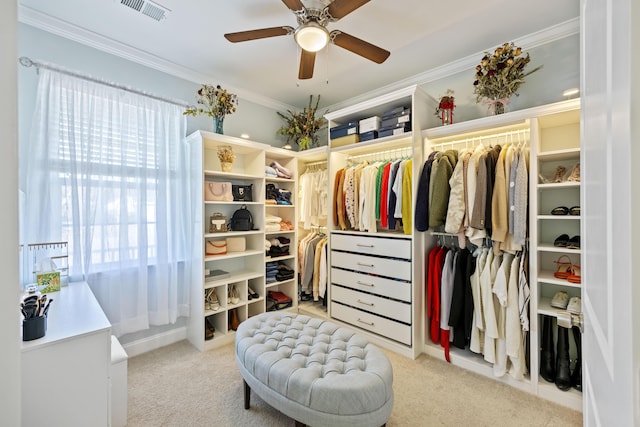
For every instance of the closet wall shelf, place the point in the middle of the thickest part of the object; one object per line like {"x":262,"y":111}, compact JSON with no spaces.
{"x":547,"y":276}
{"x":571,"y":398}
{"x":549,"y":156}
{"x":553,"y":186}
{"x":231,"y":203}
{"x":233,"y":278}
{"x":279,"y":258}
{"x":276,"y":179}
{"x":548,"y":247}
{"x":560,"y":217}
{"x":232,"y":234}
{"x":231,"y":175}
{"x":380,"y":144}
{"x":277,"y":233}
{"x":230,"y":255}
{"x":279,"y":206}
{"x":275,"y":284}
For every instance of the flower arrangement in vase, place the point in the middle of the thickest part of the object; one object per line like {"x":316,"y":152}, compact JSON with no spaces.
{"x":445,"y":107}
{"x":216,"y":102}
{"x":226,"y":157}
{"x":301,"y":128}
{"x":499,"y":76}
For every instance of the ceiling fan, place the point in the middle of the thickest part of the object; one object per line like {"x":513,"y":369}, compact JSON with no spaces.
{"x":312,"y":34}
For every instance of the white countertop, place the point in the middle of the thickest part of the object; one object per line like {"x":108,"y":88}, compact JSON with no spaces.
{"x":73,"y":312}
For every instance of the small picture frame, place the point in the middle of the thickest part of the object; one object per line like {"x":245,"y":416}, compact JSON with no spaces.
{"x":48,"y":282}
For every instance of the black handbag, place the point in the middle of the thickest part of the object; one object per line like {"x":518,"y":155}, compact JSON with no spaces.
{"x":242,"y":193}
{"x":242,"y":220}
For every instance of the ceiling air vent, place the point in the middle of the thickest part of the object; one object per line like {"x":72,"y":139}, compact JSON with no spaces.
{"x":146,"y":7}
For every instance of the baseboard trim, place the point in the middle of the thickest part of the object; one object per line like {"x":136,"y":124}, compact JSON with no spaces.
{"x":154,"y":342}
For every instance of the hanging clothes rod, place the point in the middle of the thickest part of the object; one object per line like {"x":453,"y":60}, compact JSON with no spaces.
{"x":383,"y":155}
{"x":28,"y":62}
{"x":521,"y":134}
{"x":318,"y":163}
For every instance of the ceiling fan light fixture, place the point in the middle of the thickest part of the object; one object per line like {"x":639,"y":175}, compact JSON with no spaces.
{"x":312,"y":36}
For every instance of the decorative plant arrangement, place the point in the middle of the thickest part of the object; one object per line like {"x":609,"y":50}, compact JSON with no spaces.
{"x":301,"y":128}
{"x":445,"y":107}
{"x":226,"y":157}
{"x":500,"y":75}
{"x":215,"y":102}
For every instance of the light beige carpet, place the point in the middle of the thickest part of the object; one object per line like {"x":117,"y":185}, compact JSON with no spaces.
{"x":179,"y":386}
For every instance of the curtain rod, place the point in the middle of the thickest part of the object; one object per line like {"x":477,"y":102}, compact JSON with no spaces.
{"x":27,"y":62}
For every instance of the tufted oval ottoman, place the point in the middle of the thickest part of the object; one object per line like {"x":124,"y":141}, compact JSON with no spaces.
{"x":314,"y":371}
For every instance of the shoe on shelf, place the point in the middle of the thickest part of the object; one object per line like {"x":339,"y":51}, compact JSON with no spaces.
{"x":212,"y":298}
{"x":560,"y":300}
{"x":564,"y":267}
{"x":561,"y":241}
{"x":574,"y":176}
{"x":575,"y":276}
{"x":560,"y":172}
{"x":575,"y":305}
{"x":209,"y":330}
{"x":560,"y":210}
{"x":573,"y":243}
{"x":233,"y":295}
{"x":574,"y":210}
{"x":252,"y":294}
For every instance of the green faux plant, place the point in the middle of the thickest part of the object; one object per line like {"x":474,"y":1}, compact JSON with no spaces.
{"x":301,"y":127}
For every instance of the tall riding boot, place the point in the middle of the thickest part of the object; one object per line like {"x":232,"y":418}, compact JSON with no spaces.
{"x":563,"y":372}
{"x":576,"y":375}
{"x":547,"y":352}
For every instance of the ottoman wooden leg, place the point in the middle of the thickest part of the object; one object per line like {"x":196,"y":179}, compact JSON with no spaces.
{"x":247,"y":394}
{"x":299,"y":424}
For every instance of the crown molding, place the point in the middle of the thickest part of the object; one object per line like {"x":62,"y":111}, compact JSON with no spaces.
{"x":539,"y":38}
{"x":74,"y":33}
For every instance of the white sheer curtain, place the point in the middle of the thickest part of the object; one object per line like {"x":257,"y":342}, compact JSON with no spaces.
{"x":108,"y":171}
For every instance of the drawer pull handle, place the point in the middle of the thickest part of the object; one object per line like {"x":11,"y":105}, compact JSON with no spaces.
{"x":365,"y":265}
{"x":362,"y":245}
{"x":370,"y":304}
{"x":365,"y":284}
{"x":366,"y":323}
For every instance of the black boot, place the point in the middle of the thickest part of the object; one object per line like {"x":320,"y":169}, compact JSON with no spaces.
{"x":563,"y":373}
{"x":547,"y":353}
{"x":576,"y":375}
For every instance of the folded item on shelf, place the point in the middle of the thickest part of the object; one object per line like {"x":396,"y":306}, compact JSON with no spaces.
{"x":269,"y":171}
{"x":281,"y":170}
{"x":278,"y":251}
{"x":271,"y":227}
{"x":272,"y":219}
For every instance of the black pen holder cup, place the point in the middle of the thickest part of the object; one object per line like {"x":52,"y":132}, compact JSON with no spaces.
{"x":34,"y":328}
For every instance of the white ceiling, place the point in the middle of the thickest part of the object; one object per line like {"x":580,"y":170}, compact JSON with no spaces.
{"x":420,"y":34}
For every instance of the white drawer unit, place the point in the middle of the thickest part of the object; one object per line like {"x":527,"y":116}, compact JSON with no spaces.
{"x":371,"y":322}
{"x":397,"y":269}
{"x":395,"y":289}
{"x":371,"y":284}
{"x":383,"y":306}
{"x":397,"y":248}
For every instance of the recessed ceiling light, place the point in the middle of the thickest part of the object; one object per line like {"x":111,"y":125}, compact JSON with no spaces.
{"x":244,"y":135}
{"x":571,"y":92}
{"x":287,"y":146}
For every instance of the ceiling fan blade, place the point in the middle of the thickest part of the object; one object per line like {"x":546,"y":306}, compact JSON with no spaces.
{"x":341,"y":8}
{"x":359,"y":46}
{"x":294,"y":5}
{"x":307,"y":62}
{"x":263,"y":33}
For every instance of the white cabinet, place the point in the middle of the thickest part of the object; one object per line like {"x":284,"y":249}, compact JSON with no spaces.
{"x":65,"y":374}
{"x":236,"y":277}
{"x":554,"y":134}
{"x":557,"y":156}
{"x":376,"y":282}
